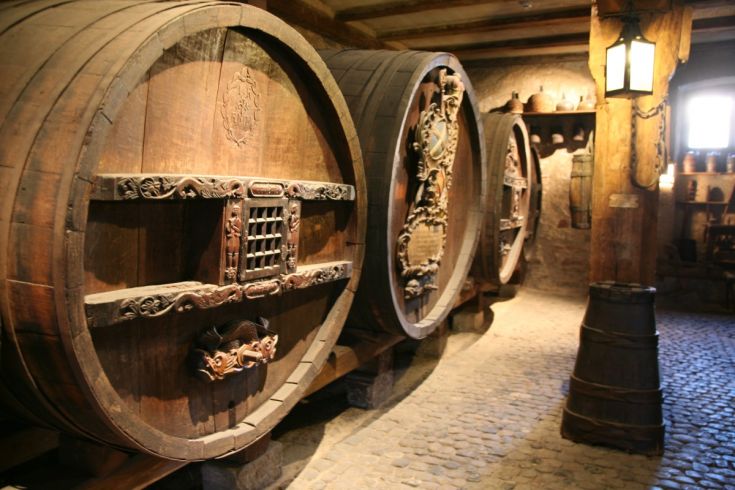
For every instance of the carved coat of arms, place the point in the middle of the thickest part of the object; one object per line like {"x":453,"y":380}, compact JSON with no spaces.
{"x":240,"y":107}
{"x":421,"y":242}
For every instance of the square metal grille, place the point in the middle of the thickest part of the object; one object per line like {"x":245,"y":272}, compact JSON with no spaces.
{"x":263,"y":243}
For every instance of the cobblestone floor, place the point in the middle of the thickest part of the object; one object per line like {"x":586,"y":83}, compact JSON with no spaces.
{"x":488,"y":416}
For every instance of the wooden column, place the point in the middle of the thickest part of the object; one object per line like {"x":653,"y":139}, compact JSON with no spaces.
{"x":624,"y":216}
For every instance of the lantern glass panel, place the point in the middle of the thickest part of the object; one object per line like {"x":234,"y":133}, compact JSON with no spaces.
{"x":641,"y":66}
{"x":615,"y":68}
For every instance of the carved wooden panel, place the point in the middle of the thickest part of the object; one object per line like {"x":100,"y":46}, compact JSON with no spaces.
{"x":110,"y":308}
{"x":259,"y":251}
{"x":421,"y":242}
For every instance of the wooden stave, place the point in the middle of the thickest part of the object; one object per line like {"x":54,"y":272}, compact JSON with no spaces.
{"x":71,"y":217}
{"x":536,"y":198}
{"x":376,"y":307}
{"x":498,"y":128}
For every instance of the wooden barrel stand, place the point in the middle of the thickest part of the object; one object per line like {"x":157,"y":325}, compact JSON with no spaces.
{"x":182,"y":219}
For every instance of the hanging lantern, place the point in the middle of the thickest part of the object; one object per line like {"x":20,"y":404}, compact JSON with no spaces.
{"x":629,"y":68}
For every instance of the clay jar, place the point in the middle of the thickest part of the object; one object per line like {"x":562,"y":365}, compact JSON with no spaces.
{"x":586,"y":103}
{"x":689,"y":163}
{"x":540,"y":102}
{"x":564,"y":104}
{"x":711,"y":162}
{"x":514,"y":104}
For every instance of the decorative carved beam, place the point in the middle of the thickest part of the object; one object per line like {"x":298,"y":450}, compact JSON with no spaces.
{"x":537,"y":20}
{"x":301,"y":14}
{"x":124,"y":187}
{"x":402,"y":7}
{"x":110,"y":308}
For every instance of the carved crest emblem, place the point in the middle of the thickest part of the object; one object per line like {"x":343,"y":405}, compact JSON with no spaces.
{"x":240,"y":107}
{"x":421,"y":242}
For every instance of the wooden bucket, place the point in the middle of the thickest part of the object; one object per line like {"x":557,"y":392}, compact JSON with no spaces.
{"x":508,"y":214}
{"x":580,"y":191}
{"x":424,"y":168}
{"x":182,"y":220}
{"x":615,"y":392}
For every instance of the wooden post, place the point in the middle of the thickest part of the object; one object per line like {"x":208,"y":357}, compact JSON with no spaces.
{"x":624,"y":216}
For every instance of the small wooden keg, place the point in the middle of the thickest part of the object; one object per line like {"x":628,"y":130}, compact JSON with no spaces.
{"x":580,"y":190}
{"x":615,"y":396}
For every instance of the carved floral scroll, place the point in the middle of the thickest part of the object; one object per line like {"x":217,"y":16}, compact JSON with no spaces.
{"x":421,"y":242}
{"x":223,"y":351}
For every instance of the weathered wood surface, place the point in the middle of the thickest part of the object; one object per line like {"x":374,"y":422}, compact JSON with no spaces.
{"x":347,"y":358}
{"x":510,"y":188}
{"x":615,"y":395}
{"x":124,"y":88}
{"x":388,"y":92}
{"x":624,"y":238}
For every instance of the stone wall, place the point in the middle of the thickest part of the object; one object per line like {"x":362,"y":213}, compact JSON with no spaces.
{"x":559,"y":260}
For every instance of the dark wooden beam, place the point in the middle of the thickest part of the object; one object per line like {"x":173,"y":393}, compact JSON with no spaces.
{"x":404,"y":7}
{"x":713,"y":23}
{"x":524,"y":43}
{"x":301,"y":14}
{"x":537,"y":20}
{"x":494,"y":62}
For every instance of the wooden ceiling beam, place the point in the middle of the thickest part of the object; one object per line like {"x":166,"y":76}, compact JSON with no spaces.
{"x":297,"y":12}
{"x":540,"y":20}
{"x":402,"y":7}
{"x":561,"y":40}
{"x":713,"y":23}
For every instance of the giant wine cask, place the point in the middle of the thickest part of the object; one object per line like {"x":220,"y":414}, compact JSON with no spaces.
{"x":417,"y":120}
{"x":182,"y":220}
{"x":509,"y":216}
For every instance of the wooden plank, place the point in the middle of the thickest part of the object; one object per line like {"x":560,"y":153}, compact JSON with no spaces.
{"x":344,"y":359}
{"x":562,"y":40}
{"x":112,"y":307}
{"x":300,"y":13}
{"x":128,"y":187}
{"x":403,"y":7}
{"x":138,"y":472}
{"x":542,"y":20}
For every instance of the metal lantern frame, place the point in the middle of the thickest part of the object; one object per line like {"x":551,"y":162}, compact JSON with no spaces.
{"x":630,"y":48}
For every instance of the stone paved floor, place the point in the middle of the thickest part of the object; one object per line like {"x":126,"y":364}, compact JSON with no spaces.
{"x":488,"y":416}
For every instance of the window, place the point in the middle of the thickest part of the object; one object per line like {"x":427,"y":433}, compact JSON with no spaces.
{"x":709,"y":121}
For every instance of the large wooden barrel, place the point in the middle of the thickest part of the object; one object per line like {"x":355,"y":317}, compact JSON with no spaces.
{"x":580,"y":191}
{"x":183,"y":217}
{"x":508,"y":215}
{"x":615,"y":393}
{"x":416,"y":117}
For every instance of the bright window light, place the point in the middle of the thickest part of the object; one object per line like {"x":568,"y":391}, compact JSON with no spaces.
{"x":709,"y":121}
